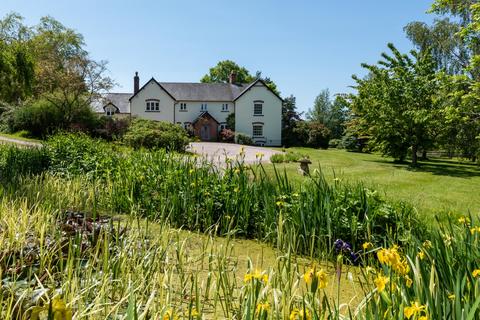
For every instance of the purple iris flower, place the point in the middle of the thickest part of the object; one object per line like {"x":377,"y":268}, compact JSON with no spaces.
{"x":346,"y":248}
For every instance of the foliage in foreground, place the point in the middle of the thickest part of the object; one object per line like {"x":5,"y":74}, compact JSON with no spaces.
{"x":190,"y":193}
{"x":98,"y":269}
{"x":89,"y":269}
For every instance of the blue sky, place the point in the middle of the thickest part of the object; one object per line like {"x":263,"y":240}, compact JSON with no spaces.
{"x":304,"y":46}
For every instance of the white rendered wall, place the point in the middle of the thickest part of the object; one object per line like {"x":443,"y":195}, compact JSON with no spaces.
{"x":194,"y":109}
{"x":271,"y":118}
{"x":152,"y":91}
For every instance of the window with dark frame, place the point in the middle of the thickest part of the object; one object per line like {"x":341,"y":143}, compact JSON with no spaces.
{"x":152,"y":105}
{"x":258,"y":130}
{"x":258,"y":109}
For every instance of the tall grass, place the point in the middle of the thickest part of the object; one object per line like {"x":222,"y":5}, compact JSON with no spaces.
{"x":191,"y":193}
{"x":152,"y":271}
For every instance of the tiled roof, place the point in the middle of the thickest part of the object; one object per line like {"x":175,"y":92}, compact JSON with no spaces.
{"x":184,"y":91}
{"x":119,"y":100}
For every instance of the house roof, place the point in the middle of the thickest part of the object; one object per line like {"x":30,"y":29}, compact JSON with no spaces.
{"x":184,"y":91}
{"x":119,"y":100}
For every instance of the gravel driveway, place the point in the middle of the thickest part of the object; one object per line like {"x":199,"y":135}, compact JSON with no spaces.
{"x":217,"y":152}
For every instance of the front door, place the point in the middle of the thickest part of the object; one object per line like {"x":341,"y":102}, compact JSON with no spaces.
{"x":205,"y":132}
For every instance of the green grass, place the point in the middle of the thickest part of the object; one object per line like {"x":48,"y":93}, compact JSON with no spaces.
{"x":18,"y":136}
{"x":438,"y":185}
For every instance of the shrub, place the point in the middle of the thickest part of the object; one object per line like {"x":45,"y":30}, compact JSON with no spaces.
{"x":83,"y":119}
{"x":286,"y":157}
{"x":335,"y":143}
{"x":40,"y":118}
{"x":156,"y":134}
{"x":318,"y":135}
{"x":244,"y":139}
{"x":227,"y":135}
{"x":355,"y":144}
{"x":312,"y":134}
{"x":112,"y":128}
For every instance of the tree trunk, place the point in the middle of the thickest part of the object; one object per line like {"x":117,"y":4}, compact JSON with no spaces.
{"x":414,"y":155}
{"x":424,"y":155}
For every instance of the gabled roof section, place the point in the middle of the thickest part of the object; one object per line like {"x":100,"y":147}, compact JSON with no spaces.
{"x":158,"y":83}
{"x":205,"y":114}
{"x":111,"y":104}
{"x":251,"y":85}
{"x":118,"y":100}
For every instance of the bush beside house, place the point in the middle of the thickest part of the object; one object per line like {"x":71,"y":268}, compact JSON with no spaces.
{"x":156,"y":134}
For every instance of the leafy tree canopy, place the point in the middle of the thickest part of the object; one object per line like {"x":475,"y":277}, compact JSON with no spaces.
{"x":395,"y":104}
{"x":48,"y":61}
{"x":291,"y":118}
{"x":332,"y":114}
{"x":221,"y":74}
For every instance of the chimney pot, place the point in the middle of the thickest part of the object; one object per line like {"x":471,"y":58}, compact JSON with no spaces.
{"x":232,"y":79}
{"x":136,"y":83}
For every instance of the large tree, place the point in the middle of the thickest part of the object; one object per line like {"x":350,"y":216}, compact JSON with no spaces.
{"x":222,"y":71}
{"x":455,"y":42}
{"x":395,"y":103}
{"x":67,"y":76}
{"x":290,"y":121}
{"x":48,"y":61}
{"x":443,"y":41}
{"x":16,"y":60}
{"x":332,"y":114}
{"x":321,"y":107}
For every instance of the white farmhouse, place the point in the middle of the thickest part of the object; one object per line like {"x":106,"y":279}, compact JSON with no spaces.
{"x":203,"y":107}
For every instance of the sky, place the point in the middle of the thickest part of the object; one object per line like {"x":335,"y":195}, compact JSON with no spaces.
{"x":303,"y":46}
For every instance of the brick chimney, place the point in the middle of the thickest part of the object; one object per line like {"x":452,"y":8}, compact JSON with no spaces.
{"x":232,"y":79}
{"x":136,"y":83}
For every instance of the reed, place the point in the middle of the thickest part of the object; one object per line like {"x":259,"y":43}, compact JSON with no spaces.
{"x":127,"y":255}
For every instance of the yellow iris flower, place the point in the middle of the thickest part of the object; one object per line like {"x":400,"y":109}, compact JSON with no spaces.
{"x":414,"y":309}
{"x":380,"y":281}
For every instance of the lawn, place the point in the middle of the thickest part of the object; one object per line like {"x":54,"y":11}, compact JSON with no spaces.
{"x":18,"y":136}
{"x":438,"y":185}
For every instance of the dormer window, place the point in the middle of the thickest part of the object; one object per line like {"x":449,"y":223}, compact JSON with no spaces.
{"x":110,"y":110}
{"x":152,"y":105}
{"x":225,"y":107}
{"x":258,"y":108}
{"x":203,"y":107}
